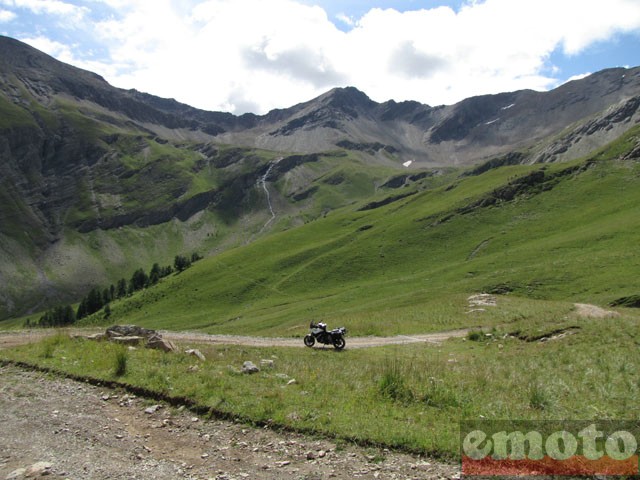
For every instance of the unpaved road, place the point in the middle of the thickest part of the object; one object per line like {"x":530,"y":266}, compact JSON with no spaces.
{"x":14,"y":338}
{"x":352,"y":342}
{"x":76,"y":431}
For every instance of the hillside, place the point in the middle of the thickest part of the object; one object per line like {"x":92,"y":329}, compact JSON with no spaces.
{"x":97,"y":181}
{"x":406,"y":263}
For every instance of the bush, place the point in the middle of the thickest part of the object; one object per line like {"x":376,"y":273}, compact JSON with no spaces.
{"x":475,"y":336}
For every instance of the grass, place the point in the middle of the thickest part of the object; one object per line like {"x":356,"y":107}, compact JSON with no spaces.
{"x":12,"y":116}
{"x":120,"y":360}
{"x":408,"y":397}
{"x":408,"y":267}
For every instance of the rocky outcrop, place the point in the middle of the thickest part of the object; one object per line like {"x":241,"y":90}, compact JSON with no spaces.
{"x":134,"y":335}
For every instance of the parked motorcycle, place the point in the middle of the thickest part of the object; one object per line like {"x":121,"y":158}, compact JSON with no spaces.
{"x":318,"y":333}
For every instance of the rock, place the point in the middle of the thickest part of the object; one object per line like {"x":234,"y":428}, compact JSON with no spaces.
{"x":196,"y":353}
{"x":267,"y":363}
{"x":159,"y":343}
{"x":39,"y":469}
{"x":292,"y":382}
{"x":129,"y":331}
{"x":95,"y":336}
{"x":249,"y":367}
{"x":152,"y":409}
{"x":128,"y":340}
{"x":19,"y":473}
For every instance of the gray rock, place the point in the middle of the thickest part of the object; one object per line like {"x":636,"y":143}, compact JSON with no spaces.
{"x":152,"y":409}
{"x":128,"y":340}
{"x":159,"y":343}
{"x":39,"y":469}
{"x":249,"y":367}
{"x":196,"y":353}
{"x":19,"y":473}
{"x":129,"y":331}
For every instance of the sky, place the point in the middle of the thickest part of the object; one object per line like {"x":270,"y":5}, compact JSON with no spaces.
{"x":253,"y":56}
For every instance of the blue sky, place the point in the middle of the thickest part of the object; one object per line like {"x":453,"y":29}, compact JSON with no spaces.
{"x":256,"y":55}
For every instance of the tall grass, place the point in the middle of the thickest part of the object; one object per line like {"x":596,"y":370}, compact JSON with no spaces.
{"x":120,"y":361}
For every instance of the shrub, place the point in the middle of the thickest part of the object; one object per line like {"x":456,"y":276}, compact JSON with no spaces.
{"x":475,"y":336}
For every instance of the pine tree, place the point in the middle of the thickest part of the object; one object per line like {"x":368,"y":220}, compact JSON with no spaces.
{"x":121,"y":289}
{"x":181,"y":262}
{"x":154,"y":274}
{"x":139,"y":280}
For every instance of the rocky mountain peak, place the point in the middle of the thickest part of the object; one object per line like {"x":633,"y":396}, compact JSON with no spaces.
{"x":347,"y":98}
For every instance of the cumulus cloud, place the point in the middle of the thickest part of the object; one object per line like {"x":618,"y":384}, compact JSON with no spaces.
{"x":301,"y":63}
{"x":237,"y":55}
{"x":410,"y":62}
{"x":6,"y":15}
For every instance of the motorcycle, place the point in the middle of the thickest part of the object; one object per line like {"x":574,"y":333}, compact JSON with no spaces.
{"x":320,"y":334}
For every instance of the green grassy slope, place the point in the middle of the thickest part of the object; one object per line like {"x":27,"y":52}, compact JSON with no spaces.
{"x":561,"y":232}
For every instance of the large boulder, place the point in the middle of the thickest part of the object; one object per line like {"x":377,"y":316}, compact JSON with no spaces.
{"x":129,"y":331}
{"x":158,"y":343}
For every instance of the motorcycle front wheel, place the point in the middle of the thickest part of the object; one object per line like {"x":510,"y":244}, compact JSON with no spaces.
{"x":339,"y":343}
{"x":309,"y":341}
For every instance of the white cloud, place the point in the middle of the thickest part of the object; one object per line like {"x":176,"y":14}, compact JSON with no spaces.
{"x":262,"y":54}
{"x":578,"y":77}
{"x":346,"y":19}
{"x":6,"y":15}
{"x":64,"y":53}
{"x":72,"y":13}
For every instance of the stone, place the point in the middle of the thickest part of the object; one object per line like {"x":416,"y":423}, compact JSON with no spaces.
{"x":267,"y":363}
{"x":152,"y":409}
{"x":249,"y":367}
{"x":129,"y":331}
{"x":128,"y":340}
{"x":196,"y":353}
{"x":159,"y":343}
{"x":38,"y":469}
{"x":98,"y":337}
{"x":19,"y":473}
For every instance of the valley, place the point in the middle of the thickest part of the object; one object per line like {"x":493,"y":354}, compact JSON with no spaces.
{"x":485,"y":254}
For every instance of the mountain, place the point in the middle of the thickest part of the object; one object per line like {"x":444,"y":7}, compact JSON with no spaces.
{"x":96,"y":181}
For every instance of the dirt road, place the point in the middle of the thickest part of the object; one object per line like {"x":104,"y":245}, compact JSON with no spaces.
{"x":10,"y":339}
{"x":54,"y":427}
{"x":352,"y":342}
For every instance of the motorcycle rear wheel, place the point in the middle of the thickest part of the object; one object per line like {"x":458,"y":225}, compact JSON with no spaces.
{"x":309,"y":340}
{"x":339,"y":343}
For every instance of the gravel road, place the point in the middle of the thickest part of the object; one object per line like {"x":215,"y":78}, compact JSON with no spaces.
{"x":58,"y":428}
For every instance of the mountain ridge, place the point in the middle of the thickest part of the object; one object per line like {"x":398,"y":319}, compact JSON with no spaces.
{"x":98,"y":180}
